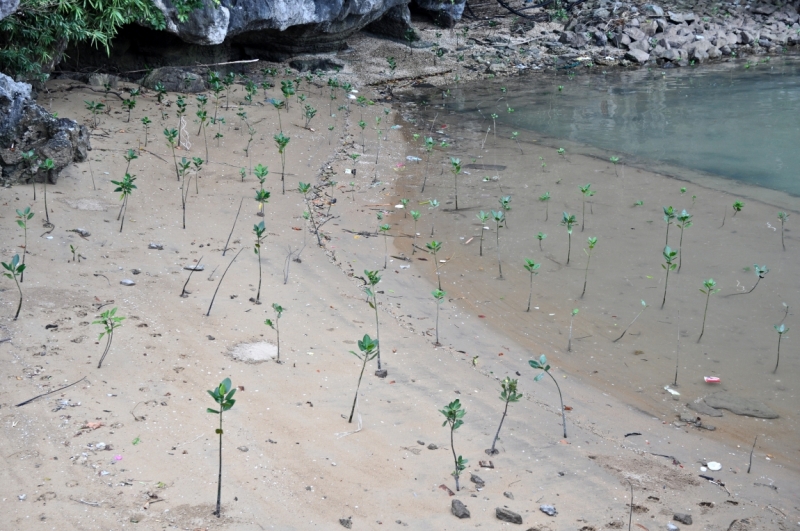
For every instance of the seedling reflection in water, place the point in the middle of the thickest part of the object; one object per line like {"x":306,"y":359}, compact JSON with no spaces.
{"x":438,"y":295}
{"x":531,"y":267}
{"x":274,"y":325}
{"x":541,"y":363}
{"x":14,"y":268}
{"x":781,"y":329}
{"x":454,"y":413}
{"x":498,"y":220}
{"x":668,"y":265}
{"x":709,"y":290}
{"x":508,"y":395}
{"x":223,"y":396}
{"x":110,"y":322}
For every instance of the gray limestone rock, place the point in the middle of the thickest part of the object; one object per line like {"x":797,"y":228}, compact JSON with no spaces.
{"x":637,"y":56}
{"x":7,"y":7}
{"x":459,"y":509}
{"x":704,"y":409}
{"x":740,"y":406}
{"x":685,"y":519}
{"x":507,"y":515}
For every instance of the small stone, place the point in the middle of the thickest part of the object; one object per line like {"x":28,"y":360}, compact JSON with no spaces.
{"x":156,"y":246}
{"x":243,"y":448}
{"x":682,"y":518}
{"x":508,"y":495}
{"x":549,"y":510}
{"x":477,"y":480}
{"x":83,"y":232}
{"x":127,"y":282}
{"x":637,"y":56}
{"x":672,"y":527}
{"x":381,"y":373}
{"x":432,"y":446}
{"x":421,"y":443}
{"x":194,"y":267}
{"x":136,"y":271}
{"x":459,"y":509}
{"x":507,"y":515}
{"x":652,"y":10}
{"x":22,"y":497}
{"x":347,"y":523}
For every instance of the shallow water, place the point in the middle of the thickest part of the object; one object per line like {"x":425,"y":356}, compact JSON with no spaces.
{"x":626,"y":216}
{"x":735,"y":121}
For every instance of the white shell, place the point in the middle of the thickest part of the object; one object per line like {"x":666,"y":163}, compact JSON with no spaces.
{"x":713,"y":465}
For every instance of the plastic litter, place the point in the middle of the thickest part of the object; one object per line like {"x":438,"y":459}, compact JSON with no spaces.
{"x":412,"y":158}
{"x":127,"y":282}
{"x":712,"y":379}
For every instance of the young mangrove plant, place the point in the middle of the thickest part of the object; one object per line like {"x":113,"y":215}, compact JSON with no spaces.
{"x":531,"y":267}
{"x":783,"y":216}
{"x":110,"y":322}
{"x":761,"y":272}
{"x":23,"y":216}
{"x":126,"y":188}
{"x":668,"y":265}
{"x":586,"y":192}
{"x":571,"y":321}
{"x":737,"y":207}
{"x":172,"y":139}
{"x":281,"y":141}
{"x":455,"y":169}
{"x":385,"y":230}
{"x":438,"y":296}
{"x":541,"y":236}
{"x":274,"y":325}
{"x":15,"y":268}
{"x":223,"y":396}
{"x":483,"y":217}
{"x":498,"y":218}
{"x":684,"y":222}
{"x":644,"y":307}
{"x":260,"y":233}
{"x":415,"y":214}
{"x":541,"y":363}
{"x":433,"y":204}
{"x":708,"y":289}
{"x":508,"y":395}
{"x":545,"y":198}
{"x":781,"y":329}
{"x":454,"y":414}
{"x":591,"y":242}
{"x":505,"y":204}
{"x":669,"y":216}
{"x":369,"y":351}
{"x":372,"y":299}
{"x":29,"y":157}
{"x":95,"y":108}
{"x":428,"y":150}
{"x":405,"y":202}
{"x":568,"y":220}
{"x":146,"y":123}
{"x":202,"y":117}
{"x":434,"y":247}
{"x":129,"y":104}
{"x":47,"y":165}
{"x":614,"y":161}
{"x":309,"y":113}
{"x":129,"y":156}
{"x":76,"y":256}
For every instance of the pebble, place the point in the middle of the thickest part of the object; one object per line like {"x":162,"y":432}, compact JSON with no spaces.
{"x":432,"y":446}
{"x":458,"y":509}
{"x":156,"y":246}
{"x":549,"y":510}
{"x":127,"y":282}
{"x":672,"y":527}
{"x":507,"y":515}
{"x":22,"y":497}
{"x":713,"y":465}
{"x":682,"y":518}
{"x":508,"y":495}
{"x":194,"y":267}
{"x":243,"y":448}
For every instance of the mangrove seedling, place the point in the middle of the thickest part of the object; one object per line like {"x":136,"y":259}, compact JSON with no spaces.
{"x":644,"y":307}
{"x":415,"y":214}
{"x":508,"y":395}
{"x":305,"y":188}
{"x":614,"y":161}
{"x":146,"y":122}
{"x":761,"y":272}
{"x":438,"y":296}
{"x":571,"y":320}
{"x":483,"y":217}
{"x":684,"y":222}
{"x":14,"y":268}
{"x":541,"y":363}
{"x":110,"y":322}
{"x":274,"y":325}
{"x":223,"y":396}
{"x":545,"y":198}
{"x":541,"y":236}
{"x":668,"y":265}
{"x":23,"y":216}
{"x":783,"y":216}
{"x":385,"y":230}
{"x":129,"y":104}
{"x":455,"y":169}
{"x":453,"y":414}
{"x":129,"y":156}
{"x":372,"y":299}
{"x":262,"y":197}
{"x":781,"y":329}
{"x":202,"y":116}
{"x":587,"y":192}
{"x":369,"y":351}
{"x":591,"y":242}
{"x":172,"y":139}
{"x":362,"y":124}
{"x":404,"y":202}
{"x":737,"y":207}
{"x":434,"y":247}
{"x":428,"y":150}
{"x":568,"y":220}
{"x":282,"y":141}
{"x":708,"y":289}
{"x":308,"y":113}
{"x":260,"y":233}
{"x":76,"y":257}
{"x":505,"y":204}
{"x":669,"y":216}
{"x":95,"y":108}
{"x":126,"y":188}
{"x":47,"y":165}
{"x":531,"y":267}
{"x":288,"y":90}
{"x":29,"y":157}
{"x":498,"y":218}
{"x":432,"y":205}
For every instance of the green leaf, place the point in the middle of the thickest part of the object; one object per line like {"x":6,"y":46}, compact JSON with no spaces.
{"x":214,"y":411}
{"x":218,"y":431}
{"x":538,"y":377}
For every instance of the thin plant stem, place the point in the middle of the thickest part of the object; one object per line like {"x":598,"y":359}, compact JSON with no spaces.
{"x":220,"y":282}
{"x":563,"y":415}
{"x":492,"y":451}
{"x":703,"y":329}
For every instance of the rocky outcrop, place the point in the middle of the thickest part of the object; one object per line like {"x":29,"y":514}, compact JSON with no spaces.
{"x":443,"y":12}
{"x":7,"y":7}
{"x":25,"y":126}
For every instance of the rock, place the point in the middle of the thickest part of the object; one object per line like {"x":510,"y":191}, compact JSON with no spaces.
{"x":98,"y":80}
{"x":243,"y":448}
{"x":682,"y":518}
{"x":313,"y":63}
{"x":394,"y":23}
{"x":549,"y":510}
{"x":672,"y":527}
{"x":445,"y":14}
{"x":156,"y":246}
{"x":508,"y":495}
{"x":477,"y":480}
{"x":601,"y":13}
{"x":7,"y":7}
{"x":127,"y":282}
{"x":652,"y":10}
{"x":26,"y":126}
{"x":637,"y":56}
{"x":745,"y":37}
{"x":507,"y":515}
{"x":381,"y":373}
{"x":347,"y":523}
{"x":600,"y":38}
{"x":640,"y":45}
{"x":432,"y":446}
{"x":675,"y":18}
{"x":194,"y":267}
{"x":740,"y":406}
{"x":765,"y":9}
{"x":177,"y":79}
{"x":635,"y":34}
{"x":459,"y":509}
{"x":421,"y":443}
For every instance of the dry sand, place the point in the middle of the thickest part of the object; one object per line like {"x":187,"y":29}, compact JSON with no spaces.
{"x":290,"y":459}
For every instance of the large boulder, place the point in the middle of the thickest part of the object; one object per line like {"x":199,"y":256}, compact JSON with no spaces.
{"x":25,"y":126}
{"x":7,"y":7}
{"x":443,"y":12}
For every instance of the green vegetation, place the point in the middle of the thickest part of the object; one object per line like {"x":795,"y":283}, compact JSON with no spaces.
{"x":274,"y":325}
{"x":369,"y":351}
{"x":532,"y":268}
{"x":223,"y":396}
{"x":110,"y":322}
{"x":541,"y":363}
{"x":568,"y":220}
{"x":508,"y":395}
{"x":591,"y":242}
{"x":710,"y":289}
{"x":668,"y":265}
{"x":781,"y":329}
{"x":23,"y":216}
{"x":14,"y":268}
{"x":438,"y":296}
{"x":453,"y":414}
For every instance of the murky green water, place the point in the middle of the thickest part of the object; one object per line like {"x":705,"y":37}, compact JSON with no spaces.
{"x":730,"y":120}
